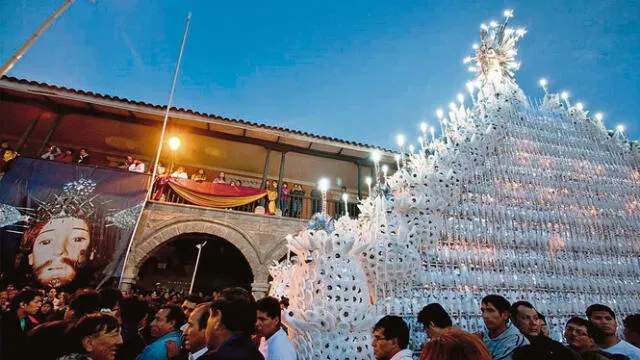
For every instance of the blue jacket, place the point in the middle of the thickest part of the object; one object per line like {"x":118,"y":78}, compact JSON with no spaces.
{"x":157,"y":350}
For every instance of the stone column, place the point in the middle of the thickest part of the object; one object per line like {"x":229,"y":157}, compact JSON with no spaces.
{"x":259,"y":289}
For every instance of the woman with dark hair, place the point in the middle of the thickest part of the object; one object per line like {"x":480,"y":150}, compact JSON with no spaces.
{"x":93,"y":337}
{"x":199,"y":176}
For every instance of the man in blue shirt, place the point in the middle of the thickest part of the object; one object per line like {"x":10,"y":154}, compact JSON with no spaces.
{"x":501,"y":338}
{"x":165,"y":326}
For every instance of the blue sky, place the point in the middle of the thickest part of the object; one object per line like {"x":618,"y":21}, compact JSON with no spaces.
{"x":356,"y":70}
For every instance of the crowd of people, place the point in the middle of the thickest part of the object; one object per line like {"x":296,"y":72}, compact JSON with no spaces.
{"x":230,"y":324}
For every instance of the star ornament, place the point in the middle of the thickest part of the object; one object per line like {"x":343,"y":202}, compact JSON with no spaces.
{"x":495,"y":56}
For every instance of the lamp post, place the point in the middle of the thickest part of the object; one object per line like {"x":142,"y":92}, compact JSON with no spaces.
{"x":12,"y":61}
{"x":195,"y":270}
{"x":323,"y":186}
{"x":345,"y":198}
{"x":174,"y":144}
{"x":368,"y":181}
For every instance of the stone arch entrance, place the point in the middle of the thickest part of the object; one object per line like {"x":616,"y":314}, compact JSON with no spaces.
{"x":143,"y":247}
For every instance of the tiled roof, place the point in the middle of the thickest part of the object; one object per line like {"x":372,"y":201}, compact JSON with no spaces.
{"x":188,"y":111}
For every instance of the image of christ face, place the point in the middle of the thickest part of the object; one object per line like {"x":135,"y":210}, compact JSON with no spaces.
{"x":59,"y":250}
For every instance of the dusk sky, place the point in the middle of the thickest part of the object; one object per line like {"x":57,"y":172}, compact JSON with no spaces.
{"x":355,"y":70}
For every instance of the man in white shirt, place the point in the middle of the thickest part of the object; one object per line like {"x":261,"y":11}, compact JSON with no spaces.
{"x":195,"y":340}
{"x":390,"y":339}
{"x":274,"y":343}
{"x":180,"y":173}
{"x":604,"y":319}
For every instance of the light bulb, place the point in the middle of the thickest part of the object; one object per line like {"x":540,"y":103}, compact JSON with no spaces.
{"x":484,"y":27}
{"x":460,"y":98}
{"x":521,"y":32}
{"x":411,"y":148}
{"x":400,"y":140}
{"x":467,"y":60}
{"x":174,"y":143}
{"x":323,"y":184}
{"x":475,"y":46}
{"x":580,"y":106}
{"x":452,"y":106}
{"x":508,"y":13}
{"x":543,"y":82}
{"x":423,"y":126}
{"x":599,"y":116}
{"x":345,"y":197}
{"x":620,"y":128}
{"x":385,"y":168}
{"x":493,"y":24}
{"x":439,"y":113}
{"x":375,"y":156}
{"x":368,"y":180}
{"x":564,"y":95}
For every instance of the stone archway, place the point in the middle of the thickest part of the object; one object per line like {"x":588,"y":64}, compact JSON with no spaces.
{"x":163,"y":233}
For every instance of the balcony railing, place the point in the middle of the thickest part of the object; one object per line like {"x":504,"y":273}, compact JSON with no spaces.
{"x":301,"y":207}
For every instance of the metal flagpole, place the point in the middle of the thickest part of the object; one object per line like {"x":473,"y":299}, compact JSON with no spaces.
{"x":12,"y":61}
{"x":195,"y":270}
{"x":157,"y":157}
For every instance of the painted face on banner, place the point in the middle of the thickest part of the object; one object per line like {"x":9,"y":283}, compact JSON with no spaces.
{"x":59,"y":250}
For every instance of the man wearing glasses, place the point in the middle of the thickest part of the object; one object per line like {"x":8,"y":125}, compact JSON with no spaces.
{"x":582,"y":337}
{"x":390,"y":339}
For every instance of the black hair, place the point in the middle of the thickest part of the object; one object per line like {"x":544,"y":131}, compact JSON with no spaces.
{"x":132,"y":310}
{"x":84,"y":301}
{"x":238,"y":309}
{"x":204,"y":315}
{"x":599,"y":307}
{"x":632,"y":322}
{"x":109,"y":298}
{"x":193,"y":298}
{"x":435,"y":313}
{"x":24,"y":296}
{"x":284,"y":301}
{"x":516,"y":305}
{"x":543,"y":318}
{"x":88,"y":325}
{"x":394,"y":327}
{"x":592,"y":331}
{"x":176,"y":315}
{"x":499,"y":302}
{"x":269,"y":305}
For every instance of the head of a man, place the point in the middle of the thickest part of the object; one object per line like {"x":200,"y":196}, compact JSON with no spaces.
{"x":268,"y":316}
{"x":26,"y":302}
{"x":525,"y":317}
{"x":582,"y":335}
{"x":83,"y":152}
{"x":189,"y":304}
{"x":167,"y":319}
{"x":83,"y":302}
{"x":58,"y":247}
{"x":97,"y":335}
{"x":195,"y":335}
{"x":632,"y":329}
{"x":390,"y":336}
{"x":603,"y":317}
{"x":232,"y":311}
{"x":495,"y":312}
{"x":434,"y":320}
{"x":134,"y":311}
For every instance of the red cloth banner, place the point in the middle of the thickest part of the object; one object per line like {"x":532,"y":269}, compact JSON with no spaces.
{"x":211,"y":194}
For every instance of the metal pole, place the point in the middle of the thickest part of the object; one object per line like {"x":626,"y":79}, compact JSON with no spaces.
{"x":195,"y":270}
{"x":12,"y":61}
{"x":359,"y":181}
{"x":164,"y":127}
